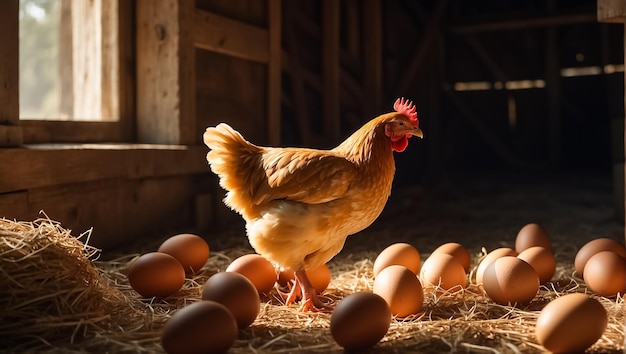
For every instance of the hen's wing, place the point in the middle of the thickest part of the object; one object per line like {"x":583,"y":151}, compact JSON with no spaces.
{"x":303,"y":175}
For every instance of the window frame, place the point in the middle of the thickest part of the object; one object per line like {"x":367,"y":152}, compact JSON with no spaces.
{"x":15,"y":131}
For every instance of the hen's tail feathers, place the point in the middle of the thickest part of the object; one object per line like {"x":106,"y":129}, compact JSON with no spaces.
{"x":231,"y":157}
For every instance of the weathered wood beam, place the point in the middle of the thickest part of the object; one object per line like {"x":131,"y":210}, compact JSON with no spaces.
{"x":166,"y":107}
{"x":274,"y":71}
{"x":57,"y":164}
{"x":10,"y":133}
{"x":524,"y":23}
{"x":234,"y":38}
{"x":611,"y":11}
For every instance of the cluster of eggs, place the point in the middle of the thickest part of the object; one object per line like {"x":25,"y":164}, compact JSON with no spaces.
{"x":506,"y":276}
{"x":362,"y":319}
{"x":230,"y":300}
{"x":162,"y":273}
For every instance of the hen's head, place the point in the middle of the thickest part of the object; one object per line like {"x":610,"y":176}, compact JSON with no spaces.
{"x":402,"y":124}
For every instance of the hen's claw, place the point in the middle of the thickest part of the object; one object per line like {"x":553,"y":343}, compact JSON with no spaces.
{"x":301,"y":288}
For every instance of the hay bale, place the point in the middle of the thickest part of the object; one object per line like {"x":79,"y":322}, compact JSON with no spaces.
{"x":49,"y":287}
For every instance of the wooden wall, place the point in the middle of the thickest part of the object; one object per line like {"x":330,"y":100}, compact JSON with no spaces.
{"x":307,"y":73}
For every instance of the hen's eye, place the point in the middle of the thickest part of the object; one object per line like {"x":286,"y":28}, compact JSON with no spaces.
{"x":401,"y":123}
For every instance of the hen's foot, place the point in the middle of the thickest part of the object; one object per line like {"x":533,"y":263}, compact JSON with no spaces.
{"x":310,"y":301}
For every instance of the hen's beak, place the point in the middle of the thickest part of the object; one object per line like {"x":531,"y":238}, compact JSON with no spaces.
{"x":417,"y":132}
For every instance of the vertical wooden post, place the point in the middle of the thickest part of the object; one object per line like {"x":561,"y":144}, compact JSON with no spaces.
{"x":10,"y":133}
{"x":373,"y":54}
{"x":274,"y":72}
{"x":614,"y":11}
{"x":553,"y":84}
{"x":166,"y":109}
{"x":331,"y":69}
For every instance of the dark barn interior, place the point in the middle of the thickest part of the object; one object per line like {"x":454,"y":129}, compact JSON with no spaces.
{"x":521,"y":105}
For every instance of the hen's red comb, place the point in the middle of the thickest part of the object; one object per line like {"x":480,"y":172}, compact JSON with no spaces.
{"x":407,"y":108}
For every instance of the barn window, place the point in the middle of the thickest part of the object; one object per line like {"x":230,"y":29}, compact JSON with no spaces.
{"x":68,"y":60}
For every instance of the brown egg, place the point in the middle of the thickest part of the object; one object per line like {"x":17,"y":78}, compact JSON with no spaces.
{"x":532,"y":235}
{"x":571,"y":323}
{"x":605,"y":274}
{"x":319,"y":277}
{"x":489,"y":258}
{"x":594,"y":246}
{"x":237,"y":293}
{"x":402,"y":254}
{"x":359,"y":321}
{"x":259,"y":270}
{"x":191,"y":251}
{"x":201,"y":327}
{"x":510,"y":280}
{"x":443,"y":271}
{"x":402,"y":290}
{"x":542,"y":260}
{"x":156,"y":274}
{"x":460,"y":253}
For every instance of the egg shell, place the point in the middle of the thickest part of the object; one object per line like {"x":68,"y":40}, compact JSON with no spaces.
{"x":359,"y":321}
{"x":402,"y":290}
{"x":443,"y":271}
{"x":510,"y":280}
{"x":571,"y":323}
{"x":594,"y":246}
{"x":605,"y":274}
{"x":319,"y":277}
{"x":542,"y":260}
{"x":237,"y":293}
{"x":402,"y":254}
{"x":489,"y":258}
{"x":258,"y":269}
{"x":192,"y":251}
{"x":532,"y":235}
{"x":156,"y":274}
{"x":201,"y":327}
{"x":458,"y":251}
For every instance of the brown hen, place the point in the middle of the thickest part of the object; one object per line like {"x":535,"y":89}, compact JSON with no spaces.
{"x":300,"y":204}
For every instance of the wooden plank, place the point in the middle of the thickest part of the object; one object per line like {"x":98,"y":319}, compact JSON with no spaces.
{"x":524,"y":23}
{"x":611,"y":11}
{"x":62,"y":164}
{"x":9,"y":63}
{"x":274,"y":72}
{"x":118,"y":211}
{"x":223,"y":35}
{"x":36,"y":132}
{"x":373,"y":58}
{"x":331,"y":69}
{"x":126,"y":70}
{"x":10,"y":135}
{"x":166,"y":109}
{"x":296,"y":76}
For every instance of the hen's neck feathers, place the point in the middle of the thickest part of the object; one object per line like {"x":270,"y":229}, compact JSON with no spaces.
{"x":369,"y":143}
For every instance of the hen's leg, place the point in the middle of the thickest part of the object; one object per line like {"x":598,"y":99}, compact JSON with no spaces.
{"x":295,"y":292}
{"x":310,"y":301}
